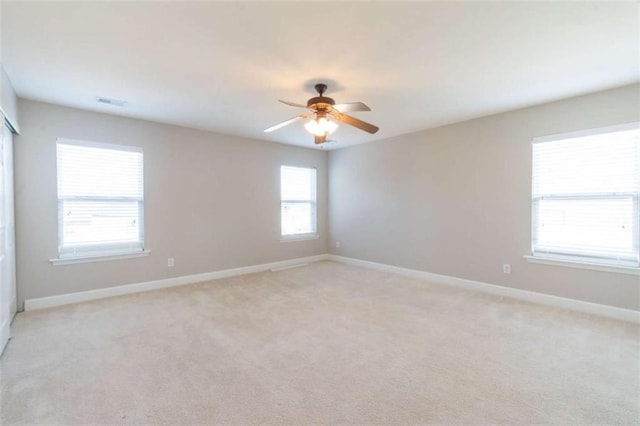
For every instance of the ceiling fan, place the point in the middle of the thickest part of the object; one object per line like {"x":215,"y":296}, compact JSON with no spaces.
{"x":323,"y":111}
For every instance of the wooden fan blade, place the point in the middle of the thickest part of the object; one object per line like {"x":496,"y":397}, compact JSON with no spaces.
{"x":352,"y":106}
{"x":285,"y":123}
{"x":293,"y":104}
{"x":320,"y":139}
{"x":352,"y":121}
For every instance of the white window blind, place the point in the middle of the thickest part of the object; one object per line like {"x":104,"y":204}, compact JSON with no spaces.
{"x":100,"y":199}
{"x":586,"y":196}
{"x":298,"y":201}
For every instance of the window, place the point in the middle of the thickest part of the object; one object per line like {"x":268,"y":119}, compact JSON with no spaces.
{"x":586,"y":196}
{"x":298,"y":201}
{"x":100,"y":199}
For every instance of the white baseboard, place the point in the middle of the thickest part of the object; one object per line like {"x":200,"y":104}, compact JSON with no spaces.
{"x":84,"y":296}
{"x":529,"y":296}
{"x":4,"y":335}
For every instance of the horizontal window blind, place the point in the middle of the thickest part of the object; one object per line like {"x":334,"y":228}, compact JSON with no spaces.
{"x":586,"y":197}
{"x":100,"y":198}
{"x":298,"y":200}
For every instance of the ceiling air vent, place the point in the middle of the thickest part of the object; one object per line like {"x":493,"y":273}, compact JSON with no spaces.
{"x":107,"y":101}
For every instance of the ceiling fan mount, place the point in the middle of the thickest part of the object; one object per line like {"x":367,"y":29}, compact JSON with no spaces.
{"x":325,"y":111}
{"x":320,"y":88}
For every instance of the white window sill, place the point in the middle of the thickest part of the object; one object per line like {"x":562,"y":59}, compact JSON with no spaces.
{"x":583,"y":265}
{"x":98,"y":258}
{"x":298,"y":237}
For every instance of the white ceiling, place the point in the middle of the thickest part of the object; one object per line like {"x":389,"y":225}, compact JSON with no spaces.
{"x":223,"y":66}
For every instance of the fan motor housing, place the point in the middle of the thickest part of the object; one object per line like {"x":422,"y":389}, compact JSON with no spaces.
{"x":320,"y":102}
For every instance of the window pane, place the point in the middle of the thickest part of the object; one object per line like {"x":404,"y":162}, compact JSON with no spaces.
{"x":298,"y":218}
{"x":603,"y":163}
{"x":91,"y":171}
{"x":298,"y":200}
{"x":100,"y":198}
{"x":95,"y":222}
{"x":595,"y":227}
{"x":586,"y":195}
{"x":297,"y":183}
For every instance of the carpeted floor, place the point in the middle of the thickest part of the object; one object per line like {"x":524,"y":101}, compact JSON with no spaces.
{"x":326,"y":343}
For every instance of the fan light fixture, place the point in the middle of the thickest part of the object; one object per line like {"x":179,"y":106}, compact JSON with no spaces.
{"x":325,"y":113}
{"x":321,"y":126}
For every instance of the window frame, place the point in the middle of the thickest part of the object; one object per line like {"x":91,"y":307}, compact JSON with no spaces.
{"x":69,"y":253}
{"x":577,"y":257}
{"x":313,"y":203}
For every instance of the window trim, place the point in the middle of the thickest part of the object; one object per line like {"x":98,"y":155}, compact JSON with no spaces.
{"x":573,"y":263}
{"x":584,"y":260}
{"x":299,"y":237}
{"x":82,"y":253}
{"x":313,"y":203}
{"x":98,"y":258}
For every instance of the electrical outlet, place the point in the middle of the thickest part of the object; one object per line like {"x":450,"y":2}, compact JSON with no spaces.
{"x":171,"y":262}
{"x":506,"y":268}
{"x":337,"y":244}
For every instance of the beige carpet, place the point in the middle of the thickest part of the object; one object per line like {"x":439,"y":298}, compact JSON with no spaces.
{"x":327,"y":343}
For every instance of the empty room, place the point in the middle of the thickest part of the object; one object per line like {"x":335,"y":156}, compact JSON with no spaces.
{"x":319,"y":212}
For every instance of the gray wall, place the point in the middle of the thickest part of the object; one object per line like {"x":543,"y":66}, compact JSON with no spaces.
{"x":455,"y":200}
{"x":211,"y":201}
